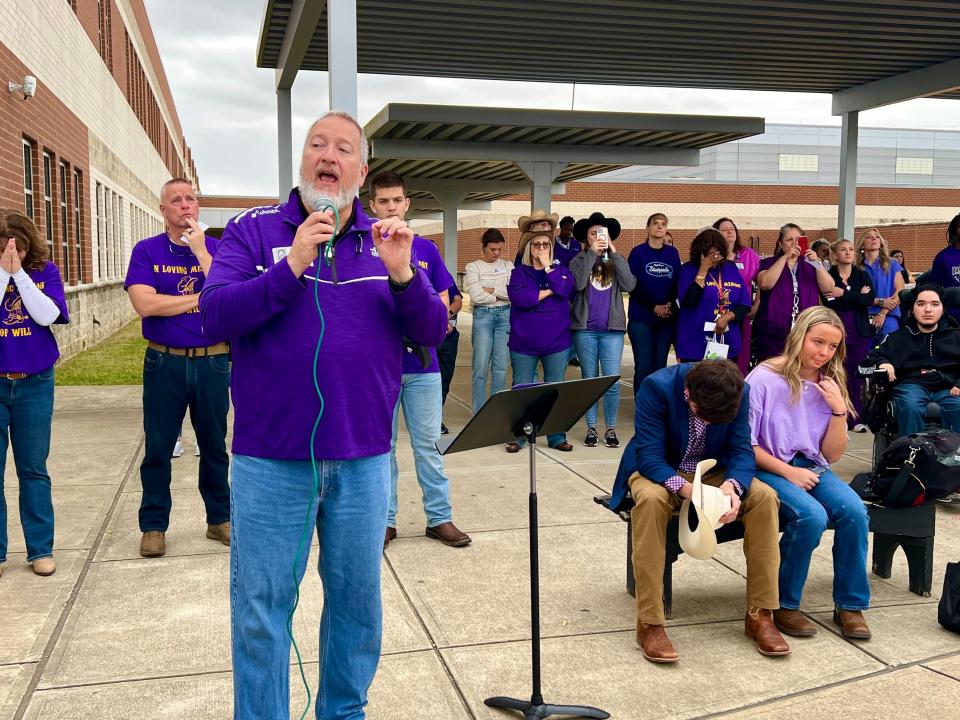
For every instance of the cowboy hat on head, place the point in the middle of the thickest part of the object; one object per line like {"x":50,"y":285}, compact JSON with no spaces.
{"x":538,"y":216}
{"x":581,"y":227}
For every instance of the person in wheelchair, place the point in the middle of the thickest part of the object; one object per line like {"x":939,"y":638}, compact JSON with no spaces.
{"x":922,"y":359}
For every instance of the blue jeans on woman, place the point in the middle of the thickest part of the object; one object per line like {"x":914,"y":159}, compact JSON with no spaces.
{"x":554,"y":370}
{"x":26,"y":414}
{"x":650,"y":343}
{"x":600,"y":353}
{"x":274,"y":510}
{"x":807,"y":514}
{"x":491,"y":331}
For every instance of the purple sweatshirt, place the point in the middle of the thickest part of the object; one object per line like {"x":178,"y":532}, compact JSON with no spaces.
{"x":724,"y":289}
{"x":539,"y":327}
{"x":252,"y":297}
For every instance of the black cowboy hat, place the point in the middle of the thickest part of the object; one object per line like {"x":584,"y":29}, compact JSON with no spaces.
{"x":581,"y":227}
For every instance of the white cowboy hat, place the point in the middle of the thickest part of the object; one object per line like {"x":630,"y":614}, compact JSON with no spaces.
{"x":710,"y":504}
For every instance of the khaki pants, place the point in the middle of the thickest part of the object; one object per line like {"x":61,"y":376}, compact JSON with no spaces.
{"x":654,"y":505}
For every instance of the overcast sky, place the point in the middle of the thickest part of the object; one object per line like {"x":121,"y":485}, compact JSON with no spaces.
{"x":227,"y":106}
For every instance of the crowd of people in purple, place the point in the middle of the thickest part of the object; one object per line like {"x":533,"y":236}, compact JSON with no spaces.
{"x":312,"y":313}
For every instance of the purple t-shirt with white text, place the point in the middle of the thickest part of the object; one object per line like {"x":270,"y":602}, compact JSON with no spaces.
{"x":171,"y":270}
{"x":25,"y":346}
{"x":946,"y":272}
{"x":427,"y":258}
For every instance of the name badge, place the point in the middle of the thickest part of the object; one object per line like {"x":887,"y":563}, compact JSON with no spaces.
{"x":279,"y":253}
{"x":740,"y":266}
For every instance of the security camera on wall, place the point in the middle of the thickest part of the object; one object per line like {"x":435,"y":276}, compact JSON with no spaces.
{"x":28,"y":87}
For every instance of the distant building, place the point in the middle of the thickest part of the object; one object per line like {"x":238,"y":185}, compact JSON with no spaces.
{"x":86,"y":155}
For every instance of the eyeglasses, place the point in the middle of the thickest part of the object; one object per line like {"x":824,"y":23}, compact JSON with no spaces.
{"x":539,"y":244}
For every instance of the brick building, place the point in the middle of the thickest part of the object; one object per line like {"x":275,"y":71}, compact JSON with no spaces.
{"x":86,"y":155}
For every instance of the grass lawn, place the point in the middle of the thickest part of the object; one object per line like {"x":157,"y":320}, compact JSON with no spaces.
{"x":118,"y":360}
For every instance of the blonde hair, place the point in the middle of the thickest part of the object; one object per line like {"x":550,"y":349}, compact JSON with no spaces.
{"x":835,"y":245}
{"x":527,"y":260}
{"x":788,"y":364}
{"x":884,"y":250}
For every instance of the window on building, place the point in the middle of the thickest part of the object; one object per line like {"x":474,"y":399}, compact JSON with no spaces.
{"x":48,"y":202}
{"x":98,"y":236}
{"x":117,"y":234}
{"x":77,"y":225}
{"x":914,"y":166}
{"x":64,"y":226}
{"x":107,"y":234}
{"x":104,"y":30}
{"x":28,"y":179}
{"x":790,"y":162}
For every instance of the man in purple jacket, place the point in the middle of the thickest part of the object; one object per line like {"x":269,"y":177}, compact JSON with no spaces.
{"x":273,"y":267}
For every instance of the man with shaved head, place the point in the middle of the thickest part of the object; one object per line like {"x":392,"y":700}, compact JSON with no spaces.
{"x":314,"y":392}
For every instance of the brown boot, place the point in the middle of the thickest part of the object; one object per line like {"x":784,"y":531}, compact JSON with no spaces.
{"x":219,"y":532}
{"x":655,"y":644}
{"x":758,"y":626}
{"x":389,"y":535}
{"x":852,"y":625}
{"x":153,"y":543}
{"x":449,"y":534}
{"x":44,"y":566}
{"x":793,"y":623}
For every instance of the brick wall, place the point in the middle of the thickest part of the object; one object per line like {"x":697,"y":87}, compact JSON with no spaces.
{"x":919,"y":241}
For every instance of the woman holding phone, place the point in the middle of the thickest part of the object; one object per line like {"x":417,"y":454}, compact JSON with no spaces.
{"x":789,"y":282}
{"x":598,"y":320}
{"x":539,"y":293}
{"x":33,"y":300}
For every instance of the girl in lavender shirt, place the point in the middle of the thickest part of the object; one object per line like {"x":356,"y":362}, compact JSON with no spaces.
{"x":798,"y":425}
{"x":32,"y":300}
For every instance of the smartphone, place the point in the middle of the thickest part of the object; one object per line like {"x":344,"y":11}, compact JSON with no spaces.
{"x":601,"y":233}
{"x":804,"y":244}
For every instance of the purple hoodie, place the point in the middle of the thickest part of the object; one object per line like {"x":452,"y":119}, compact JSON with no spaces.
{"x":539,"y":327}
{"x":252,"y":297}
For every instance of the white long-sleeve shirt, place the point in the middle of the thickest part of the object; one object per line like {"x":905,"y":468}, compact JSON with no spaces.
{"x":41,"y":309}
{"x":480,"y":274}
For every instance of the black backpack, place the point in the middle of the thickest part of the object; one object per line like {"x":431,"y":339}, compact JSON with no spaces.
{"x":915,"y":469}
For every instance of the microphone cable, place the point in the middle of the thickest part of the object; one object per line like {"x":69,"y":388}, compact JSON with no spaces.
{"x":327,"y":256}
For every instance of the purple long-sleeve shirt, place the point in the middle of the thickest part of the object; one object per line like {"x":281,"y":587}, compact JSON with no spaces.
{"x":252,"y":297}
{"x":539,"y":327}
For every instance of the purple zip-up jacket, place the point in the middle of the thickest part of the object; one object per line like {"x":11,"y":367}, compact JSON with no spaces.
{"x":252,"y":297}
{"x":539,"y":327}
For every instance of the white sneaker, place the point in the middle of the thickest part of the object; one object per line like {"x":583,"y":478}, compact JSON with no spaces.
{"x":196,"y":450}
{"x":859,"y":428}
{"x":178,"y":448}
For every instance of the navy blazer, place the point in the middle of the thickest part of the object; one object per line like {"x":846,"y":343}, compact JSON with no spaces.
{"x":662,"y":429}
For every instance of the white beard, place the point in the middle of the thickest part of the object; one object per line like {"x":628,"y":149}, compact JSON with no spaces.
{"x":317,"y":200}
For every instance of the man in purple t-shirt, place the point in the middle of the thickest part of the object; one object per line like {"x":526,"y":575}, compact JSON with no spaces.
{"x":421,"y":391}
{"x":182,"y":367}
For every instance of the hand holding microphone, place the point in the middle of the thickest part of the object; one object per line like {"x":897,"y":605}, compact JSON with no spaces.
{"x":318,"y":228}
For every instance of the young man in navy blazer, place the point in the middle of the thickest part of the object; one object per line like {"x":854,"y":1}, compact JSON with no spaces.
{"x":684,"y":414}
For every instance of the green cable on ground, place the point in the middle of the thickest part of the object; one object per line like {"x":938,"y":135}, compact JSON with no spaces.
{"x":306,"y":532}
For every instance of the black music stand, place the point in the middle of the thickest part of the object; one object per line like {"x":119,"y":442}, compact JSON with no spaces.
{"x":529,"y":411}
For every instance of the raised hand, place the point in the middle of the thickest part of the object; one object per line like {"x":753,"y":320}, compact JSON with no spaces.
{"x":316,"y":229}
{"x":394,"y":243}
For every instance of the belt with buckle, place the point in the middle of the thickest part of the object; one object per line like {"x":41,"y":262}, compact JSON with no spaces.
{"x":218,"y":349}
{"x":15,"y":376}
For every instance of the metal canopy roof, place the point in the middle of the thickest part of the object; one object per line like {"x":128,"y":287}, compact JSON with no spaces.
{"x":473,"y":147}
{"x":781,"y":45}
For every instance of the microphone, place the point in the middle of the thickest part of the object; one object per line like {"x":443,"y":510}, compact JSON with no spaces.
{"x":321,"y":202}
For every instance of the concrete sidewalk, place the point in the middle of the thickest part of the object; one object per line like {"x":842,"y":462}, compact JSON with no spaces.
{"x":114,"y":635}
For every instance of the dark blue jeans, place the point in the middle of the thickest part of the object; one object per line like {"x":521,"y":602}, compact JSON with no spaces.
{"x":447,"y":357}
{"x":651,"y":345}
{"x":26,"y":413}
{"x":171,"y":384}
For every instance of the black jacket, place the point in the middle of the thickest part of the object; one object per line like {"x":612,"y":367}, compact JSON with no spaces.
{"x":854,"y":299}
{"x":928,"y":359}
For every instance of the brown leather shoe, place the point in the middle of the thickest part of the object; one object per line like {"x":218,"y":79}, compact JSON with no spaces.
{"x":758,"y":626}
{"x":563,"y":447}
{"x":852,"y":625}
{"x":655,"y":644}
{"x":449,"y":534}
{"x":219,"y":532}
{"x":513,"y":447}
{"x":153,"y":544}
{"x":793,"y":623}
{"x":44,"y":567}
{"x":390,"y":534}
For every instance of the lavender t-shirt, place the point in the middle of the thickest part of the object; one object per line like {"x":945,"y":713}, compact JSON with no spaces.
{"x":171,"y":270}
{"x":783,"y":426}
{"x":25,"y":346}
{"x":427,"y":258}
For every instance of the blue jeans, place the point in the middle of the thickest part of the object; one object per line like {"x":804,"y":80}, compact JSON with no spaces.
{"x":911,"y":401}
{"x":491,"y":331}
{"x":171,"y":384}
{"x":270,"y":501}
{"x":807,"y":514}
{"x":26,"y":414}
{"x":420,"y":398}
{"x":650,"y":343}
{"x":600,"y":353}
{"x":525,"y":372}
